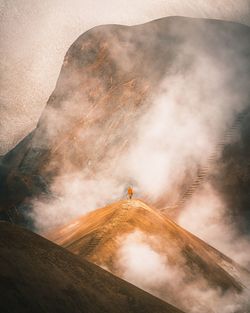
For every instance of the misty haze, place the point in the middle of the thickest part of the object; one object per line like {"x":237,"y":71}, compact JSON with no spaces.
{"x":137,"y":173}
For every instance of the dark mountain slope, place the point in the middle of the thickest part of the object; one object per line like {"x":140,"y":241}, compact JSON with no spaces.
{"x":38,"y":276}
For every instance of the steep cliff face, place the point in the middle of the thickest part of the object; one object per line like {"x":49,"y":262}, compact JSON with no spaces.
{"x":110,"y":79}
{"x":38,"y":276}
{"x":126,"y":236}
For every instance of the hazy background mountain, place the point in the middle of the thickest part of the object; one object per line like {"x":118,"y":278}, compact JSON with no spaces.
{"x":146,"y":105}
{"x":36,"y":35}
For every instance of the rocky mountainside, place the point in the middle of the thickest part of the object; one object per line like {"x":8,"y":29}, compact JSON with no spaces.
{"x":112,"y":76}
{"x":38,"y":276}
{"x":124,"y":236}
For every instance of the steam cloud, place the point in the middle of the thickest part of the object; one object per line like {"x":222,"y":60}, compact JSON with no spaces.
{"x":206,"y":216}
{"x":141,"y":263}
{"x":199,"y":103}
{"x":186,"y":119}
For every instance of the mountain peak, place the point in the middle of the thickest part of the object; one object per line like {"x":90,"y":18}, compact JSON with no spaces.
{"x":125,"y":236}
{"x":121,"y":216}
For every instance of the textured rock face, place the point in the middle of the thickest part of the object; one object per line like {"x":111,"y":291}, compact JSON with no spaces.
{"x":109,"y":80}
{"x":138,"y":244}
{"x":38,"y":276}
{"x":47,"y":48}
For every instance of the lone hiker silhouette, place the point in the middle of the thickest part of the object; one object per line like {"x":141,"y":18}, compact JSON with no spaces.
{"x":130,"y":192}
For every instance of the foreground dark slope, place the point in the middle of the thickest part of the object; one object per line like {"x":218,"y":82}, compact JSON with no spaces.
{"x":108,"y":80}
{"x":38,"y":276}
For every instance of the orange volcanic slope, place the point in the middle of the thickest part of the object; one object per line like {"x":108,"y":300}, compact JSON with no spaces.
{"x":97,"y":237}
{"x":146,"y":248}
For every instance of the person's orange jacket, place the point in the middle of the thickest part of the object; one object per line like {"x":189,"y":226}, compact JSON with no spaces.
{"x":130,"y":192}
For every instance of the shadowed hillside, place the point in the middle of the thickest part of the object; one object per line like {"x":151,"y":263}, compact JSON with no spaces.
{"x":38,"y":276}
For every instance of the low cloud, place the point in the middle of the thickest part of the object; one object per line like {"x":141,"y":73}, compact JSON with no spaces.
{"x":206,"y":216}
{"x":158,"y":145}
{"x":73,"y":195}
{"x":140,"y":262}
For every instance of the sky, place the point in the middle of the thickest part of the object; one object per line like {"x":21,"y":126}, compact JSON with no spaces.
{"x":35,"y":35}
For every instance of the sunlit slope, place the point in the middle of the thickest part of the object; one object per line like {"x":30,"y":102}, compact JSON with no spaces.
{"x":97,"y":237}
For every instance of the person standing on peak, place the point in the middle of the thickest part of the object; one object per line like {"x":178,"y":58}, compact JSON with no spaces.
{"x":130,"y":192}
